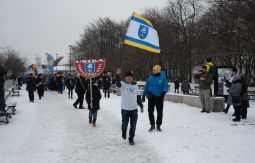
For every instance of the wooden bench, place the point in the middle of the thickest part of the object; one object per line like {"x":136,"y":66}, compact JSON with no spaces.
{"x":12,"y":107}
{"x":15,"y":92}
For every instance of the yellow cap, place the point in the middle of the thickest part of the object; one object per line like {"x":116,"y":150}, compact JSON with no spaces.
{"x":156,"y":69}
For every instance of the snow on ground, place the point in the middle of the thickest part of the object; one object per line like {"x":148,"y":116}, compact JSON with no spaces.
{"x":52,"y":131}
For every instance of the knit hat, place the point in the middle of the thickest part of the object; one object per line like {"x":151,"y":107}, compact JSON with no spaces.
{"x":156,"y":69}
{"x":129,"y":73}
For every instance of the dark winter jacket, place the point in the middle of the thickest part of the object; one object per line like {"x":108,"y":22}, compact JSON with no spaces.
{"x":106,"y":82}
{"x":234,"y":97}
{"x":176,"y":84}
{"x":70,"y":83}
{"x":2,"y":76}
{"x":244,"y":93}
{"x":185,"y":87}
{"x":2,"y":80}
{"x":59,"y":80}
{"x":96,"y":95}
{"x":40,"y":84}
{"x":31,"y":84}
{"x":205,"y":84}
{"x":81,"y":85}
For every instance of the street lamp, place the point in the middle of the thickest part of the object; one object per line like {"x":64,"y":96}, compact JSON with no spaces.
{"x":70,"y":64}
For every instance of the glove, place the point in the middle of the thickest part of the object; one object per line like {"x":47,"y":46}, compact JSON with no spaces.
{"x":143,"y":99}
{"x":163,"y":93}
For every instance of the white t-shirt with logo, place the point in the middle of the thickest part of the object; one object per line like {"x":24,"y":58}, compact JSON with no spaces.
{"x":129,"y":93}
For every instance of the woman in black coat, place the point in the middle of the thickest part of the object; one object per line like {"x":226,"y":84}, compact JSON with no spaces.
{"x":94,"y":104}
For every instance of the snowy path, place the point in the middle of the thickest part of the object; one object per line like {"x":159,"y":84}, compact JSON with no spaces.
{"x":52,"y":131}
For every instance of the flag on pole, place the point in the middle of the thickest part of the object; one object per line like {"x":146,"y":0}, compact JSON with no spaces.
{"x":38,"y":60}
{"x":50,"y":61}
{"x":141,"y":34}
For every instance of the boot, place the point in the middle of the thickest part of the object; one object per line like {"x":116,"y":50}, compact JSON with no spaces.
{"x":202,"y":111}
{"x":131,"y":141}
{"x":152,"y":128}
{"x":124,"y":134}
{"x":90,"y":120}
{"x":94,"y":122}
{"x":158,"y":128}
{"x":236,"y":120}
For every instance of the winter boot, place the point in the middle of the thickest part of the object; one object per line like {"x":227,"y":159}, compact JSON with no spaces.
{"x":202,"y":111}
{"x":94,"y":122}
{"x":124,"y":134}
{"x":152,"y":128}
{"x":236,"y":120}
{"x":131,"y":141}
{"x":74,"y":106}
{"x":158,"y":128}
{"x":90,"y":120}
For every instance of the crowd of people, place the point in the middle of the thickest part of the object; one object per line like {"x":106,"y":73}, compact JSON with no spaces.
{"x":155,"y":90}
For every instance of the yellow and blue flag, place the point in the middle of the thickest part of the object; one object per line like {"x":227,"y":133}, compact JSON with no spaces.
{"x":141,"y":34}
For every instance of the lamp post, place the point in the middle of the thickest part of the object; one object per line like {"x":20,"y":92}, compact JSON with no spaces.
{"x":70,"y":64}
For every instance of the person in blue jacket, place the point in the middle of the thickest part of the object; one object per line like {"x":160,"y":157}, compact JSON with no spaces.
{"x":155,"y":88}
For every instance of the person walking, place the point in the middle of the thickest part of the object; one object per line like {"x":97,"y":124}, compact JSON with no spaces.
{"x":204,"y":84}
{"x":94,"y":103}
{"x":106,"y":85}
{"x":2,"y":92}
{"x":59,"y":83}
{"x":130,"y":98}
{"x":40,"y":86}
{"x":31,"y":87}
{"x":155,"y":88}
{"x":176,"y":86}
{"x":185,"y":86}
{"x":70,"y":83}
{"x":80,"y":89}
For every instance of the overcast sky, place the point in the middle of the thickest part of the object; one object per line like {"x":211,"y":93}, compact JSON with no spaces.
{"x":39,"y":26}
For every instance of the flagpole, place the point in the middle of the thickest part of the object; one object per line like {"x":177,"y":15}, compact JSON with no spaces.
{"x":122,"y":49}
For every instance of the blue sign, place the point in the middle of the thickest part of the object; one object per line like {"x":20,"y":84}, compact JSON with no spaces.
{"x":90,"y":68}
{"x":143,"y":32}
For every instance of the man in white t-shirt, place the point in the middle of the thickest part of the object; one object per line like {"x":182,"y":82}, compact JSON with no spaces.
{"x":130,"y":98}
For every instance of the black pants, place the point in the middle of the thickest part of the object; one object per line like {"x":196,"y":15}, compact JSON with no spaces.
{"x":107,"y":92}
{"x":158,"y":102}
{"x":70,"y":93}
{"x":132,"y":115}
{"x":31,"y":96}
{"x":244,"y":111}
{"x":80,"y":100}
{"x":40,"y":92}
{"x":237,"y":111}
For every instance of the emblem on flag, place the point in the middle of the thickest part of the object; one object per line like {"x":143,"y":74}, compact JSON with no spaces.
{"x":143,"y":32}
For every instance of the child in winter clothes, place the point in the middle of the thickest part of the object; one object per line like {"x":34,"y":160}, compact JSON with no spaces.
{"x":94,"y":103}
